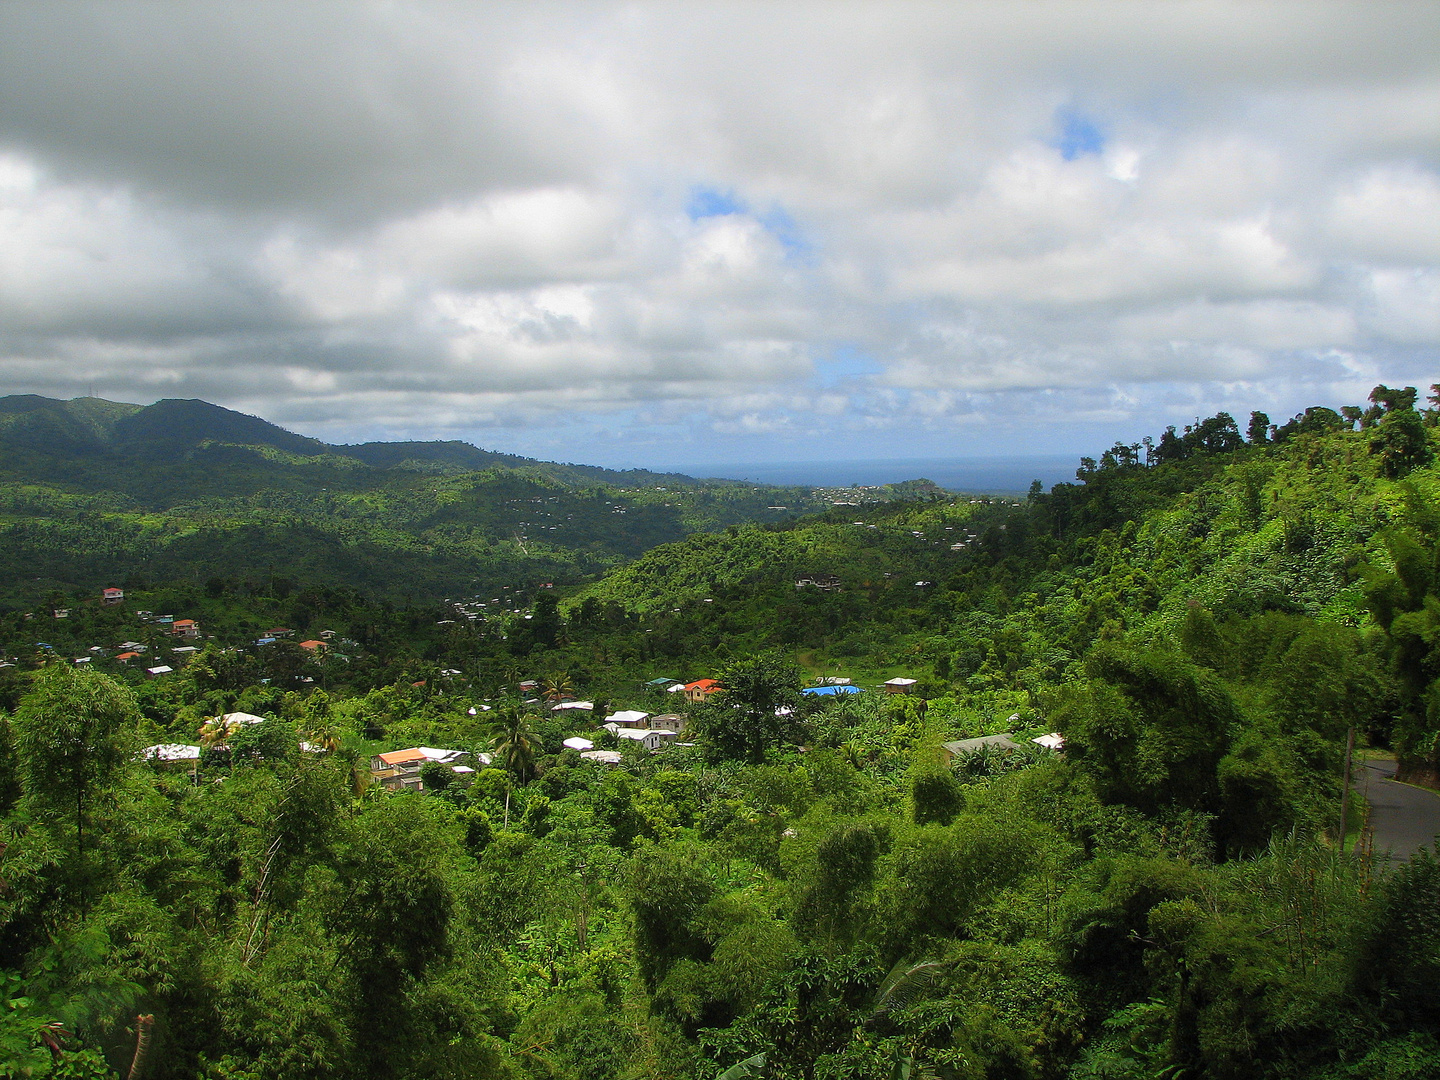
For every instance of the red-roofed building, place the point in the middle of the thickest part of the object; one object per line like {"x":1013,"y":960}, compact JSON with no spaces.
{"x":186,"y":628}
{"x":701,"y":689}
{"x":315,"y":646}
{"x":401,"y":768}
{"x":126,"y":657}
{"x":112,"y":596}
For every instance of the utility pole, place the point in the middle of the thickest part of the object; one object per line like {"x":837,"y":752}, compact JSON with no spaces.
{"x":1345,"y":789}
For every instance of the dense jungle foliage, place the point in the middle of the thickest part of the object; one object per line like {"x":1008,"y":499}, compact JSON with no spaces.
{"x":805,"y":885}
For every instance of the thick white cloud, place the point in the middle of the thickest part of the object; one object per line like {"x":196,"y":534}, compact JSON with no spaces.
{"x":638,"y":230}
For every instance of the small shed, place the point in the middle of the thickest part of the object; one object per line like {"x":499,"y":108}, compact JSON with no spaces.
{"x":899,"y":686}
{"x":969,"y":746}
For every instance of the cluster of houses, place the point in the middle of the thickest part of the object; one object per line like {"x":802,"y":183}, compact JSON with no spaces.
{"x":128,"y":652}
{"x":182,"y":630}
{"x":401,"y":770}
{"x":822,"y":582}
{"x":476,"y":610}
{"x":316,"y":646}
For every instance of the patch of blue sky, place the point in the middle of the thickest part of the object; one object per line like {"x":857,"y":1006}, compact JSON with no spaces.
{"x":781,"y":225}
{"x":1079,"y":134}
{"x":844,"y":364}
{"x":708,"y":202}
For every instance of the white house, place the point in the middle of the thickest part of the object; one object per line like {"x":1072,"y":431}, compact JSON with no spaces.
{"x":630,"y":718}
{"x":651,"y":740}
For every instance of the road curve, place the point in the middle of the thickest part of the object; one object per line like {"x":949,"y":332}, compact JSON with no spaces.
{"x":1403,"y":819}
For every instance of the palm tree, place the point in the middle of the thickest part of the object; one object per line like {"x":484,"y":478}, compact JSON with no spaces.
{"x":515,"y":744}
{"x":215,"y":732}
{"x":514,"y":741}
{"x":323,"y":737}
{"x":557,"y":687}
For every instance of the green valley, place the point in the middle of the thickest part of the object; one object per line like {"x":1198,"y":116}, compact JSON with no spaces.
{"x":95,"y":493}
{"x":435,"y":766}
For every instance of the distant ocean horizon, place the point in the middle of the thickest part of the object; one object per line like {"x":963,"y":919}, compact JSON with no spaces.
{"x":991,"y":475}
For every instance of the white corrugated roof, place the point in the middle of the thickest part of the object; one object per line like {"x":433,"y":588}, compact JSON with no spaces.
{"x":627,"y":716}
{"x":436,"y":754}
{"x":604,"y":757}
{"x":241,"y":718}
{"x":172,"y":752}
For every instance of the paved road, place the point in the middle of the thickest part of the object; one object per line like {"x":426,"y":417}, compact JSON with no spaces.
{"x":1403,"y":819}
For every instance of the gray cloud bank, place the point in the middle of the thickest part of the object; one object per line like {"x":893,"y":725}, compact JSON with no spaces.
{"x":640,"y":232}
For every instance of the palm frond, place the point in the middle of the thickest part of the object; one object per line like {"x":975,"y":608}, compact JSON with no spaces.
{"x":742,"y":1070}
{"x":905,"y":982}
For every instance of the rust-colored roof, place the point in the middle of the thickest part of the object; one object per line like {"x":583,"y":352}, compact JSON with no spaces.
{"x":127,"y":656}
{"x":400,"y":757}
{"x":703,"y":684}
{"x":312,"y":644}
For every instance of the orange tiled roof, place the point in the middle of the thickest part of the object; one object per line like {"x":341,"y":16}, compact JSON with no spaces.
{"x":400,"y":757}
{"x":703,"y":684}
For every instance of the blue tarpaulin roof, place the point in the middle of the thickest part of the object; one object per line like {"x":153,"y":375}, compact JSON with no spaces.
{"x":831,"y":690}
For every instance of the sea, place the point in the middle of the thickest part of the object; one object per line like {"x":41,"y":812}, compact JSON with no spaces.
{"x":975,"y":475}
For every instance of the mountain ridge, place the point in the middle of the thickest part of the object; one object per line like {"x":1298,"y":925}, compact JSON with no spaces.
{"x":85,"y":427}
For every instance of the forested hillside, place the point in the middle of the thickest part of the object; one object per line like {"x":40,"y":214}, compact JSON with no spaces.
{"x":784,"y":879}
{"x":94,"y":493}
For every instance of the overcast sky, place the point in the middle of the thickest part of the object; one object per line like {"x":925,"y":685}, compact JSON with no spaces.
{"x":651,"y":234}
